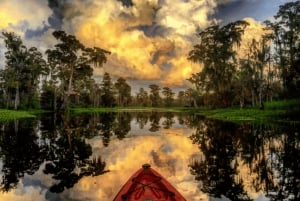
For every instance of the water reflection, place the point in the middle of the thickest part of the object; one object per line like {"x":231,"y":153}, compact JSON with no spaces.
{"x":269,"y":154}
{"x":89,"y":157}
{"x":217,"y":169}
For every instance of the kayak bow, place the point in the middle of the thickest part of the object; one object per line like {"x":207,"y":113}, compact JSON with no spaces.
{"x":148,"y":185}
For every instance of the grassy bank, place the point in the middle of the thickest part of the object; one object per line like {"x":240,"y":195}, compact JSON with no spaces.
{"x":273,"y":111}
{"x":131,"y":109}
{"x":6,"y":115}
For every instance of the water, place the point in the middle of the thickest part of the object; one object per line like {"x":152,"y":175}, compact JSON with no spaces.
{"x":89,"y":157}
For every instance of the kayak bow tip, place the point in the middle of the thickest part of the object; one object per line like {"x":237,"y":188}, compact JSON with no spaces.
{"x":146,"y":166}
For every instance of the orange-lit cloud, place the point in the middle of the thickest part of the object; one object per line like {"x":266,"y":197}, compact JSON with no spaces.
{"x":254,"y":31}
{"x":160,"y":55}
{"x":149,"y":40}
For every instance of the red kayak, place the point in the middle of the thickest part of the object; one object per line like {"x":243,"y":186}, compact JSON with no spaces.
{"x":148,"y":185}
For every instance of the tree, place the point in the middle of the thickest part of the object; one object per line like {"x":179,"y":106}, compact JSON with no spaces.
{"x":260,"y":55}
{"x":251,"y":83}
{"x":192,"y":96}
{"x":181,"y":98}
{"x":70,"y":58}
{"x":154,"y":95}
{"x":107,"y":89}
{"x":22,"y":71}
{"x":123,"y":92}
{"x":142,"y":97}
{"x":37,"y":67}
{"x":217,"y":54}
{"x":169,"y":96}
{"x":286,"y":33}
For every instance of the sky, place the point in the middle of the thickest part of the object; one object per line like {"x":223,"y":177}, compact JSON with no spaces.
{"x":149,"y":39}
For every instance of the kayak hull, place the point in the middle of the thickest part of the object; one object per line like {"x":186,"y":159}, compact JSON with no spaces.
{"x":148,"y":185}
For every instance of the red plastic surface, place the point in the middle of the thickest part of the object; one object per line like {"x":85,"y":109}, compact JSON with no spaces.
{"x":148,"y":185}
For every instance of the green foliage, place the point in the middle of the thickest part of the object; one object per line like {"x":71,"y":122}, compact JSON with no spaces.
{"x":21,"y":73}
{"x":286,"y":33}
{"x":283,"y":104}
{"x":169,"y":96}
{"x":107,"y":89}
{"x":71,"y":62}
{"x":217,"y":54}
{"x":154,"y":95}
{"x":127,"y":109}
{"x":263,"y":73}
{"x":274,"y":111}
{"x":123,"y":92}
{"x":142,"y":97}
{"x":6,"y":115}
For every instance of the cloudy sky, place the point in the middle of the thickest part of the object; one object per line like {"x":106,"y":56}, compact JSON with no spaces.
{"x":149,"y":39}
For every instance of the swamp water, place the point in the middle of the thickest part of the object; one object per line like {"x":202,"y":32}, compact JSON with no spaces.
{"x":89,"y":157}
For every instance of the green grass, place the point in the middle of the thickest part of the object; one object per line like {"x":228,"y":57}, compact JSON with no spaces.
{"x":274,"y":111}
{"x":120,"y":109}
{"x":286,"y":110}
{"x":283,"y":104}
{"x":236,"y":114}
{"x":6,"y":115}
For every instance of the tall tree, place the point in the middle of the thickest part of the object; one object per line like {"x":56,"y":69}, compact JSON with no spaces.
{"x":286,"y":30}
{"x":123,"y":92}
{"x":107,"y":89}
{"x":71,"y":58}
{"x":154,"y":95}
{"x":37,"y":67}
{"x":169,"y":96}
{"x":16,"y":56}
{"x":251,"y":83}
{"x":142,"y":97}
{"x":192,"y":96}
{"x":22,"y":71}
{"x":180,"y":98}
{"x":216,"y":52}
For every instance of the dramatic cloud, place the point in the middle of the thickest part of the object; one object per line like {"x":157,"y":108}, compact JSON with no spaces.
{"x":19,"y":17}
{"x":254,"y":31}
{"x":149,"y":39}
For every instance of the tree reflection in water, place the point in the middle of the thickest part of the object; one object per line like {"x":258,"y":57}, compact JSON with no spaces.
{"x":18,"y":142}
{"x":269,"y":153}
{"x":61,"y":145}
{"x":217,"y":170}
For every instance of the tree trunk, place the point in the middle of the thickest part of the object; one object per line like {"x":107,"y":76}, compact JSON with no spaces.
{"x":261,"y":88}
{"x":69,"y":91}
{"x":242,"y":100}
{"x":17,"y":97}
{"x":194,"y":102}
{"x":253,"y":98}
{"x":54,"y":100}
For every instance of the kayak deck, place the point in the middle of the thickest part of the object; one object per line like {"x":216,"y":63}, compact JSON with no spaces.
{"x":148,"y":185}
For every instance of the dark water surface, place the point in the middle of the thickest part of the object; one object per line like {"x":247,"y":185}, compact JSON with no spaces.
{"x":89,"y":157}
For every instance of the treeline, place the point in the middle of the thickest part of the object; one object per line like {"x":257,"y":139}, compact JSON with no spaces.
{"x":269,"y":68}
{"x":64,"y":76}
{"x":64,"y":79}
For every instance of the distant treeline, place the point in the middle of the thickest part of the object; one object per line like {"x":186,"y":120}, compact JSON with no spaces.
{"x":63,"y":77}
